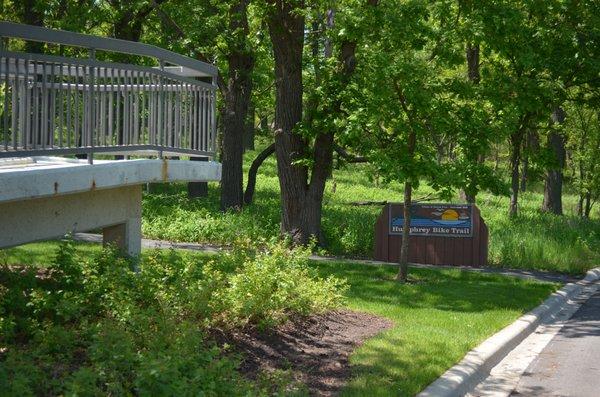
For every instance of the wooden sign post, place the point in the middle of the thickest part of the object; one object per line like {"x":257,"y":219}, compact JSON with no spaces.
{"x":440,"y":234}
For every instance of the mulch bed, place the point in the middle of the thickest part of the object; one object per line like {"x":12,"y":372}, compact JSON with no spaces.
{"x":315,"y":349}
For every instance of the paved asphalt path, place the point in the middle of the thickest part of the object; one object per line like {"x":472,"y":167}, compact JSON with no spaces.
{"x":570,"y":364}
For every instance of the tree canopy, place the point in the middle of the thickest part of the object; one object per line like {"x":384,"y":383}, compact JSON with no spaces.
{"x":463,"y":95}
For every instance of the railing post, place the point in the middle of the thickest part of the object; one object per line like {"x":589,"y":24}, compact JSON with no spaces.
{"x":161,"y":114}
{"x":91,"y":108}
{"x":213,"y":111}
{"x":5,"y":131}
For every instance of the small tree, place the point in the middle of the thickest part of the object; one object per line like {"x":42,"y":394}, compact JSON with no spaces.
{"x":403,"y":98}
{"x":583,"y":131}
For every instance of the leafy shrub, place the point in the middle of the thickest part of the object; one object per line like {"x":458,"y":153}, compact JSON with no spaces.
{"x":270,"y":287}
{"x":96,"y":327}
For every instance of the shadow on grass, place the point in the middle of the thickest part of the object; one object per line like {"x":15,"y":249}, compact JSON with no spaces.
{"x":445,"y":290}
{"x":438,"y":318}
{"x":396,"y":375}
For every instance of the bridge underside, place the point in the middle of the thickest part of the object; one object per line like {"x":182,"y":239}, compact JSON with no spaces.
{"x":45,"y":198}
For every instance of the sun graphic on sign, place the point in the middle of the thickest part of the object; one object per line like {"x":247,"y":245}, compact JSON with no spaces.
{"x":450,"y":215}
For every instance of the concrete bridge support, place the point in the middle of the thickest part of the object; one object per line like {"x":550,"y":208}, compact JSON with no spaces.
{"x":46,"y":198}
{"x":116,"y":211}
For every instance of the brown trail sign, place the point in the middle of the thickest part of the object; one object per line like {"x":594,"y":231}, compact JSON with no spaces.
{"x":440,"y":234}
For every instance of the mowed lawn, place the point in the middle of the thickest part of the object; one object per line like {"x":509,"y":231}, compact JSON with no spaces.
{"x":438,"y":317}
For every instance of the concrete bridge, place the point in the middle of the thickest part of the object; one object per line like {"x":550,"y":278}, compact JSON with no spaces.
{"x":63,"y":120}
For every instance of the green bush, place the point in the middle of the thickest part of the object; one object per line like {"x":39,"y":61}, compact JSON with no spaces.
{"x":96,"y":327}
{"x":270,"y":287}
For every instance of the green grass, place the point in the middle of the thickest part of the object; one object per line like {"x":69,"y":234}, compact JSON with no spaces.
{"x":531,"y":241}
{"x":438,"y":319}
{"x":41,"y":254}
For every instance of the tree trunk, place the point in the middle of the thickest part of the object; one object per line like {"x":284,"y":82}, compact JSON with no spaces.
{"x":580,"y":202}
{"x":249,"y":130}
{"x":579,"y":208}
{"x":515,"y":158}
{"x":469,"y":192}
{"x":588,"y":205}
{"x":236,"y":102}
{"x":524,"y":173}
{"x":404,"y":248}
{"x":30,"y":14}
{"x":301,"y":199}
{"x":472,"y":55}
{"x":524,"y":169}
{"x":286,"y":28}
{"x":249,"y":193}
{"x":554,"y":175}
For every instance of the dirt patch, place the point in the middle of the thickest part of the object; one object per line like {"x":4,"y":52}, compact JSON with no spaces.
{"x":316,"y":349}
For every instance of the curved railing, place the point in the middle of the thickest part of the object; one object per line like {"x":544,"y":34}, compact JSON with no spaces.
{"x":55,"y":105}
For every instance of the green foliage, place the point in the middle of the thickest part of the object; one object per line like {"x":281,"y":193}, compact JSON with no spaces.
{"x":531,"y":241}
{"x":95,"y":327}
{"x":270,"y":287}
{"x":583,"y":132}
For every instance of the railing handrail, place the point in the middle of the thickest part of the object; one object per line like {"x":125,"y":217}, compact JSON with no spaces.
{"x":108,"y":65}
{"x":81,"y":105}
{"x":56,"y":36}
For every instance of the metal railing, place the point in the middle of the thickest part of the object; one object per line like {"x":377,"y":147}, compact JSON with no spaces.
{"x":56,"y":105}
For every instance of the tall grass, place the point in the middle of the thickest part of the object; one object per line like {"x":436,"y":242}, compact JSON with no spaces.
{"x":532,"y":240}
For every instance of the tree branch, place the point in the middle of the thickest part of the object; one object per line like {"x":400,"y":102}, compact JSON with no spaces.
{"x":181,"y":35}
{"x":250,"y":187}
{"x":350,"y":158}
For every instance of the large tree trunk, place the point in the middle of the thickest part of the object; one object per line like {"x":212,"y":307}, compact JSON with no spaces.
{"x":236,"y":103}
{"x":286,"y":28}
{"x":554,"y":175}
{"x":301,"y":199}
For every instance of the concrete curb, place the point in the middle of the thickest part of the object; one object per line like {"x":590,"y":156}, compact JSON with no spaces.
{"x":477,"y":364}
